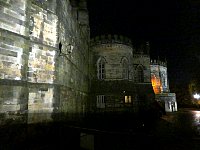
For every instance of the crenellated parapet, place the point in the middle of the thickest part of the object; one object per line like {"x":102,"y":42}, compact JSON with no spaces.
{"x":141,"y":56}
{"x":106,"y":39}
{"x":159,"y":62}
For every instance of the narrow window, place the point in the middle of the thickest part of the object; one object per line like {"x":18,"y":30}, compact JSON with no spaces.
{"x":124,"y":69}
{"x":127,"y":99}
{"x":101,"y":74}
{"x":100,"y":101}
{"x":140,"y":74}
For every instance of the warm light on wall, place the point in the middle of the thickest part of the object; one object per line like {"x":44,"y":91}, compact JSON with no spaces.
{"x":127,"y":99}
{"x":156,"y":84}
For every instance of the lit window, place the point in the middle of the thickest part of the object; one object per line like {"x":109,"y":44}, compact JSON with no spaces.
{"x":127,"y":99}
{"x":100,"y":101}
{"x":101,"y":74}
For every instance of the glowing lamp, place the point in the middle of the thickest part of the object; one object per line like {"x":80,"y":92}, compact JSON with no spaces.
{"x":196,"y":96}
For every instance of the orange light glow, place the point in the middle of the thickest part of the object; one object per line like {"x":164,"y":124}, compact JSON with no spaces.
{"x":156,"y":84}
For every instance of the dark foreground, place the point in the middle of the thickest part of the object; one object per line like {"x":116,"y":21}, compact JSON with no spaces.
{"x":172,"y":131}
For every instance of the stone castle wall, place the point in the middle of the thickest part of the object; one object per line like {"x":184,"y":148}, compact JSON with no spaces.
{"x":159,"y":76}
{"x":113,"y":49}
{"x":35,"y":77}
{"x":144,"y":61}
{"x":119,"y":92}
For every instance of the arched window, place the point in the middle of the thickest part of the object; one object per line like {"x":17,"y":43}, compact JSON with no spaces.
{"x":101,"y":73}
{"x":125,"y":69}
{"x":140,"y":74}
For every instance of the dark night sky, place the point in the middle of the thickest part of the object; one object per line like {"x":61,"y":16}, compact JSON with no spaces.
{"x":171,"y":27}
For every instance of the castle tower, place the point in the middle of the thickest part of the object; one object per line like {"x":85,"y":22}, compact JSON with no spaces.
{"x":116,"y":52}
{"x":159,"y":77}
{"x":121,"y":79}
{"x":160,"y":85}
{"x":141,"y":62}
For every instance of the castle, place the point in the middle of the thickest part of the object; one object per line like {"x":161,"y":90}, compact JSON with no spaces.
{"x":121,"y":75}
{"x":49,"y":66}
{"x":160,"y":85}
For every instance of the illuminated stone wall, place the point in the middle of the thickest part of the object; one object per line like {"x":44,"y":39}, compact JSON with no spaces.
{"x":34,"y":76}
{"x":155,"y":79}
{"x":159,"y":77}
{"x":13,"y":16}
{"x":164,"y":78}
{"x":40,"y":103}
{"x":41,"y":62}
{"x":14,"y":47}
{"x":43,"y":26}
{"x":13,"y":56}
{"x":160,"y":85}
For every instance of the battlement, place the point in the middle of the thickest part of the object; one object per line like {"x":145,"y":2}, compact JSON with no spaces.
{"x":141,"y":55}
{"x":106,"y":39}
{"x":158,"y":62}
